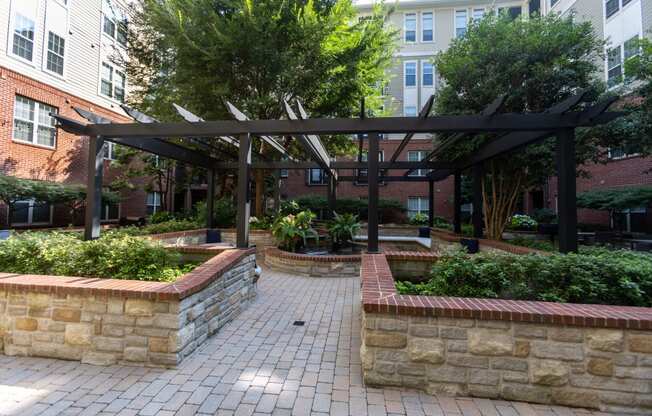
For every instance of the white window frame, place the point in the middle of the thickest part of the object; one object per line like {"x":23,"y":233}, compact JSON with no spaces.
{"x":105,"y":213}
{"x":417,"y":156}
{"x":466,"y":22}
{"x":117,"y":23}
{"x":405,"y":29}
{"x":416,"y":74}
{"x":35,"y":123}
{"x":157,"y":206}
{"x":407,"y":113}
{"x":619,"y":65}
{"x":474,"y":18}
{"x":108,"y":151}
{"x":423,"y":73}
{"x":114,"y":70}
{"x":12,"y":34}
{"x":322,"y":174}
{"x":432,"y":26}
{"x":423,"y":206}
{"x":47,"y":51}
{"x":30,"y":215}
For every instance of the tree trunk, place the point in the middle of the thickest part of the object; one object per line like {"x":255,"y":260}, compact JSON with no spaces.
{"x":500,"y":200}
{"x":260,"y":193}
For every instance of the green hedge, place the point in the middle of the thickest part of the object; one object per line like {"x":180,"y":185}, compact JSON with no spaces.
{"x":162,"y":227}
{"x":596,"y":275}
{"x":116,"y":255}
{"x":387,"y":207}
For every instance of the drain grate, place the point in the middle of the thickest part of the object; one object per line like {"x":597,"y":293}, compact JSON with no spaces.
{"x":299,"y":323}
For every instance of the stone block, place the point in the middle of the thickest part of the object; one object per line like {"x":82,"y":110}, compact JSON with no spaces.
{"x":446,"y":374}
{"x":116,"y":306}
{"x":588,"y":381}
{"x":166,"y":320}
{"x":453,"y":333}
{"x":93,"y":306}
{"x":385,"y":339}
{"x":136,"y":341}
{"x":605,"y":340}
{"x":384,"y":367}
{"x":511,"y":364}
{"x":366,"y":358}
{"x":411,"y":369}
{"x":484,"y":391}
{"x":25,"y":324}
{"x":490,"y":342}
{"x":521,"y":348}
{"x":113,"y":330}
{"x":426,"y":350}
{"x":424,"y":331}
{"x":600,"y":367}
{"x":566,"y":334}
{"x":460,"y":360}
{"x":99,"y":358}
{"x":376,"y":379}
{"x":108,"y":344}
{"x":392,"y":355}
{"x":525,"y":393}
{"x":485,"y":377}
{"x":167,"y":360}
{"x":66,"y":315}
{"x":38,"y":300}
{"x":641,"y":373}
{"x":457,"y":346}
{"x":549,"y":373}
{"x":78,"y":334}
{"x":139,"y":307}
{"x":55,"y":350}
{"x":529,"y":331}
{"x":640,"y":343}
{"x":576,"y":398}
{"x":448,"y":389}
{"x":515,"y":377}
{"x":558,"y":350}
{"x":135,"y":354}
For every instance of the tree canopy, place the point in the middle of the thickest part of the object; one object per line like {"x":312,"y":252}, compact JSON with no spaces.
{"x":13,"y":189}
{"x":616,"y":199}
{"x":535,"y":62}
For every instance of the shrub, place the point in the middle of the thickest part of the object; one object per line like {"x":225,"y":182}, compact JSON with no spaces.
{"x":419,"y":219}
{"x":545,"y":216}
{"x":264,"y":223}
{"x":224,"y":212}
{"x":161,"y":216}
{"x":116,"y":255}
{"x":162,"y":227}
{"x":596,"y":276}
{"x":293,"y":230}
{"x":522,"y":222}
{"x":319,"y":204}
{"x":343,"y":228}
{"x":543,"y":245}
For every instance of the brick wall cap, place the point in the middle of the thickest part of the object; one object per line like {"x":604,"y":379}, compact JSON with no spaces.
{"x":334,"y":258}
{"x":379,"y":295}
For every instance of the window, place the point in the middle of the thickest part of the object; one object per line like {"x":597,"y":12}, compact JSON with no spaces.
{"x":112,"y":82}
{"x":111,"y":212}
{"x":417,"y":205}
{"x":623,"y":152}
{"x":626,"y":2}
{"x":284,"y":173}
{"x":109,"y":150}
{"x":553,"y":2}
{"x":317,"y":177}
{"x":427,"y":75}
{"x":611,"y":7}
{"x":478,"y":14}
{"x":32,"y":122}
{"x":23,"y":43}
{"x":410,"y":27}
{"x":511,"y":12}
{"x":410,"y":111}
{"x":31,"y":212}
{"x":426,"y":27}
{"x":410,"y":74}
{"x":56,"y":49}
{"x":460,"y":23}
{"x":417,"y":156}
{"x":115,"y":29}
{"x":364,"y":172}
{"x":153,"y":202}
{"x":614,"y":67}
{"x":631,"y":48}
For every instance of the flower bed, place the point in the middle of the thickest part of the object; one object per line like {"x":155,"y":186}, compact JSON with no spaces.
{"x":108,"y":321}
{"x":593,"y":356}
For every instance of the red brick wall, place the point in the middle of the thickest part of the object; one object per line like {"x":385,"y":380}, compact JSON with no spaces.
{"x":296,"y":183}
{"x":66,"y":163}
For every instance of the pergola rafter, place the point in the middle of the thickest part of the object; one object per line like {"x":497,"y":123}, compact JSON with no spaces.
{"x":513,"y":131}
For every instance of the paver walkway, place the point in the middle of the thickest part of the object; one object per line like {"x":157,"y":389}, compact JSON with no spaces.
{"x":259,"y":364}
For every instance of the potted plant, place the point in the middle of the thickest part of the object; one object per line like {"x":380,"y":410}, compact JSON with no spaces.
{"x":292,"y":231}
{"x":342,"y":229}
{"x":421,"y":220}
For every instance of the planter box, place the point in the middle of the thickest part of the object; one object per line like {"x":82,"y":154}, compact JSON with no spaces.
{"x":109,"y":321}
{"x":312,"y":266}
{"x":593,"y":356}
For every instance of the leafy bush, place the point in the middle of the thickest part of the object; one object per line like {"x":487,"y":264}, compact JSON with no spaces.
{"x":161,"y":216}
{"x":224,"y":212}
{"x":543,"y":245}
{"x":293,"y":230}
{"x":162,"y":227}
{"x":116,"y":255}
{"x":522,"y":222}
{"x":419,"y":219}
{"x":264,"y":223}
{"x":596,"y":276}
{"x":356,"y":206}
{"x":545,"y":216}
{"x":343,"y":228}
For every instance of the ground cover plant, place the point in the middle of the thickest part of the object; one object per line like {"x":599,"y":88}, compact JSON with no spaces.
{"x":116,"y":254}
{"x":596,"y":275}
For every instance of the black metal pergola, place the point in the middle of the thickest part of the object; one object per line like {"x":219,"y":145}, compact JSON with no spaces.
{"x":195,"y":142}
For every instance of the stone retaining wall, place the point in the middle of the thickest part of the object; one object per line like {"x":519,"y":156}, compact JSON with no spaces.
{"x":394,"y":230}
{"x":439,"y":238}
{"x":312,"y":266}
{"x":259,"y":238}
{"x":181,"y":238}
{"x":109,"y":321}
{"x":576,"y":355}
{"x":412,"y":266}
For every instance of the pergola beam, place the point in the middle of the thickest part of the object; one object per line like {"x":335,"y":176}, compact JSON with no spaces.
{"x":192,"y":118}
{"x":240,"y":116}
{"x":308,"y":145}
{"x":344,"y":164}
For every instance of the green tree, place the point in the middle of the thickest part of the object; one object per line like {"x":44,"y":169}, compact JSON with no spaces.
{"x":535,"y":62}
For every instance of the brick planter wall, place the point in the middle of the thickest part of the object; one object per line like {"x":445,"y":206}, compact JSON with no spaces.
{"x":181,"y":238}
{"x":260,"y":238}
{"x":108,"y":321}
{"x":440,"y":237}
{"x":592,"y":356}
{"x":312,"y":266}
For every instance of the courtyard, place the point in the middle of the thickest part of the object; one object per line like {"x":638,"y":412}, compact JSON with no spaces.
{"x":260,"y":363}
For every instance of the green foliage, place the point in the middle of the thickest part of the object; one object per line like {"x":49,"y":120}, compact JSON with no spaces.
{"x":545,"y":216}
{"x":224,"y":212}
{"x":419,"y":219}
{"x":544,"y":245}
{"x":594,"y":276}
{"x":343,"y":227}
{"x":163,"y":227}
{"x":289,"y":208}
{"x":356,"y":206}
{"x":263,"y":223}
{"x":255,"y":54}
{"x":14,"y":189}
{"x":616,"y":199}
{"x":293,"y":230}
{"x":160,"y":216}
{"x":116,"y":255}
{"x":522,"y":222}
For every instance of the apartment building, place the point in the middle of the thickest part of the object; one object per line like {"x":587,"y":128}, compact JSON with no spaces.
{"x":56,"y":55}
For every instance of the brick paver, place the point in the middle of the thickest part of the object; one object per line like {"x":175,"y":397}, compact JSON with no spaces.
{"x":260,"y":364}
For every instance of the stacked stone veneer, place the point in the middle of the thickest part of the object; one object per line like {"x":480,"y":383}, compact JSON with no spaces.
{"x":312,"y":266}
{"x":577,"y":355}
{"x":259,"y":238}
{"x":108,"y":321}
{"x":181,"y":238}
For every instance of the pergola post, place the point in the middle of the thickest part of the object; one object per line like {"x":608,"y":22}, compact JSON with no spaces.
{"x":431,"y":203}
{"x":477,"y":201}
{"x":332,"y":196}
{"x":566,"y":189}
{"x":244,"y":170}
{"x":94,"y":188}
{"x":457,"y":203}
{"x":372,"y":216}
{"x":277,"y":191}
{"x":210,"y":200}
